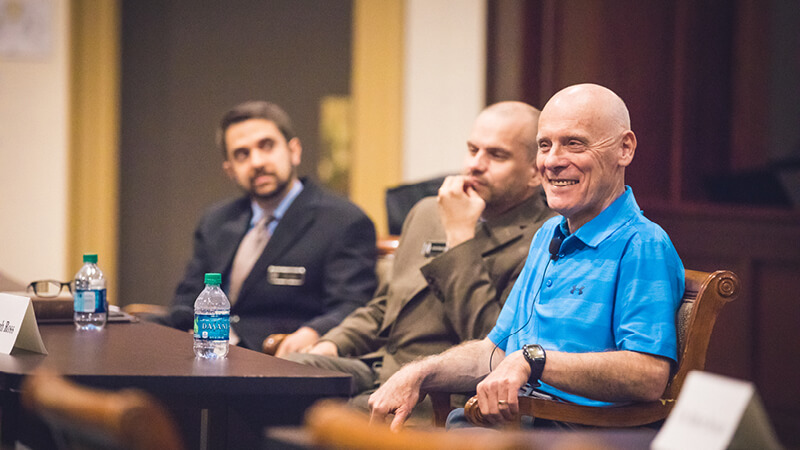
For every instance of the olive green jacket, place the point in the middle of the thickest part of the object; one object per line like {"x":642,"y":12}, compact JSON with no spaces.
{"x":434,"y":302}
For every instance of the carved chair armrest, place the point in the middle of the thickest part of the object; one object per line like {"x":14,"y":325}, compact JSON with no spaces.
{"x":630,"y":415}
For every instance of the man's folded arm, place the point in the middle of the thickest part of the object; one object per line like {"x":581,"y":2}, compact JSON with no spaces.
{"x":358,"y":333}
{"x":472,"y":300}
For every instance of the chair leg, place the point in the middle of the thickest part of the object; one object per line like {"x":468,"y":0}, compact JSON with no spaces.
{"x":441,"y":407}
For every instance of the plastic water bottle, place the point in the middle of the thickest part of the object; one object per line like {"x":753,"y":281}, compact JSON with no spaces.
{"x":91,"y":304}
{"x":212,"y":320}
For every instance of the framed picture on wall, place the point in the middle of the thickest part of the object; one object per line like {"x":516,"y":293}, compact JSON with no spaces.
{"x":26,"y":28}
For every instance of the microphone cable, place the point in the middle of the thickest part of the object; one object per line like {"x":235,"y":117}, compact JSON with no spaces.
{"x":555,"y":246}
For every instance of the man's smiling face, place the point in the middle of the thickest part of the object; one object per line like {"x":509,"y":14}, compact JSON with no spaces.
{"x":582,"y":157}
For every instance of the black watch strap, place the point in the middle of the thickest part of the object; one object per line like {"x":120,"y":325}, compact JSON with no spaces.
{"x":536,"y":357}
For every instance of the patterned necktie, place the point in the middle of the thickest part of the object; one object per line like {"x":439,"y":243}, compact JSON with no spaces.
{"x":247,"y":254}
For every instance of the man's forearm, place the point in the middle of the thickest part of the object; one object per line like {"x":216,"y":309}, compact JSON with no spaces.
{"x":461,"y":279}
{"x":457,"y":369}
{"x":609,"y":376}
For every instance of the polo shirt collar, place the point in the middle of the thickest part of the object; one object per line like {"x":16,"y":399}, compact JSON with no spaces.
{"x":616,"y":215}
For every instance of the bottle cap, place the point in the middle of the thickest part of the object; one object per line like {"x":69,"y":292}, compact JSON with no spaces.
{"x":213,"y":279}
{"x":90,"y":258}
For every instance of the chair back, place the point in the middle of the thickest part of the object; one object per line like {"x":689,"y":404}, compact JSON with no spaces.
{"x":400,"y":200}
{"x":386,"y":245}
{"x":82,"y":417}
{"x":704,"y":296}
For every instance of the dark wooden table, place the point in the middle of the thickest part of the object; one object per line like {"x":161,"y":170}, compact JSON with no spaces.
{"x":224,"y":403}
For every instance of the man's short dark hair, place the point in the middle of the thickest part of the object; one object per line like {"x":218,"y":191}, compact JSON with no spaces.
{"x":254,"y":110}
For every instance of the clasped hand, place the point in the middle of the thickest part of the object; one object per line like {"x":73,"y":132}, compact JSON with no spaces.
{"x":497,"y":393}
{"x":460,"y":207}
{"x":295,"y":342}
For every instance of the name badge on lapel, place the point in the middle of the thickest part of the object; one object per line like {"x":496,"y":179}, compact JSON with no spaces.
{"x":286,"y":275}
{"x":431,"y":248}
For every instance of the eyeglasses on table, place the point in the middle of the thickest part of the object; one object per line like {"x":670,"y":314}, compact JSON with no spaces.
{"x":49,"y":288}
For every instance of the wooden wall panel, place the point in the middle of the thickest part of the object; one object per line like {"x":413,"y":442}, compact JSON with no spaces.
{"x":757,"y":337}
{"x":577,"y":41}
{"x":686,"y":70}
{"x":777,"y":324}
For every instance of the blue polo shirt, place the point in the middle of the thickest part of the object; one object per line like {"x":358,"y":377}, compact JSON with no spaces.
{"x":616,"y":286}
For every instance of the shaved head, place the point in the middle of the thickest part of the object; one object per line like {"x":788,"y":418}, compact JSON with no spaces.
{"x":526,"y":115}
{"x":585,"y":144}
{"x":500,"y":164}
{"x":593,"y":101}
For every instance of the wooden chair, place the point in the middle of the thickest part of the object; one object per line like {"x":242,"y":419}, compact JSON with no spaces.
{"x":334,"y":425}
{"x":383,"y":269}
{"x":82,"y":417}
{"x":704,"y":297}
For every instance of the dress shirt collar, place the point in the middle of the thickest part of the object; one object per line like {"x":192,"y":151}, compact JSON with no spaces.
{"x":277,"y":215}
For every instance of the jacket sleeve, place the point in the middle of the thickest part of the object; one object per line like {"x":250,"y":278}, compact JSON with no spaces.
{"x":472,"y":299}
{"x":349,"y":274}
{"x":358,"y":334}
{"x":181,"y":313}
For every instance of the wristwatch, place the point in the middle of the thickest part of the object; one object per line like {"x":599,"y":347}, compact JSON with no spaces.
{"x":536,"y":357}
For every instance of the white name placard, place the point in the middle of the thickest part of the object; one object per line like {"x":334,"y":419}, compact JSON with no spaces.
{"x":18,"y":327}
{"x":716,"y":412}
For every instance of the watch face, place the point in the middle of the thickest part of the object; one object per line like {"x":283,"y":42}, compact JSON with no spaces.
{"x":535,"y":351}
{"x":535,"y":355}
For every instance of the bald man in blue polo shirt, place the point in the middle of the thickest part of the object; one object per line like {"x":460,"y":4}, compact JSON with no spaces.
{"x":591,"y":318}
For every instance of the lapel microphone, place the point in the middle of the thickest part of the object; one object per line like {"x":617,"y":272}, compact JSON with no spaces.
{"x":555,"y":246}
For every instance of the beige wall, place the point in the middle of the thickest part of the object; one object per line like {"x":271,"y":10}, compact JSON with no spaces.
{"x":419,"y":76}
{"x":34,"y":143}
{"x":444,"y":83}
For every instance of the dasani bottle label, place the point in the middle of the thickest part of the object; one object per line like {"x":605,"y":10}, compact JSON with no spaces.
{"x":212,"y":327}
{"x":90,"y":301}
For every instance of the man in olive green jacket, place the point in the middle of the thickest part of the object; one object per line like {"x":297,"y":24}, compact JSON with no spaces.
{"x":457,"y":260}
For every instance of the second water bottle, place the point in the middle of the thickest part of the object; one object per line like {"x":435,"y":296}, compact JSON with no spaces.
{"x":212,"y":313}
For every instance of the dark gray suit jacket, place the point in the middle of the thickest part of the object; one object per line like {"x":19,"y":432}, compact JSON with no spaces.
{"x":328,"y":237}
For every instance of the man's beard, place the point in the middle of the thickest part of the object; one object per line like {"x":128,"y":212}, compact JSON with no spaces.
{"x":281,"y":187}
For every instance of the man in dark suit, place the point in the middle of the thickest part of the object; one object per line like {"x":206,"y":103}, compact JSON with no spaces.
{"x":294,"y":257}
